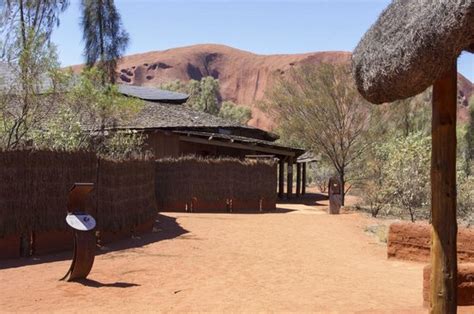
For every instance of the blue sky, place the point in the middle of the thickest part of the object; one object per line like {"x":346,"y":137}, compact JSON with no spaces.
{"x":260,"y":26}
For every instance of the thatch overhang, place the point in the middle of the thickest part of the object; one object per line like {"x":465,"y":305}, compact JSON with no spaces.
{"x":410,"y":46}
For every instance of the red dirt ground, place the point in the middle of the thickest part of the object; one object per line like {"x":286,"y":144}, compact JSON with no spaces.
{"x":299,"y":259}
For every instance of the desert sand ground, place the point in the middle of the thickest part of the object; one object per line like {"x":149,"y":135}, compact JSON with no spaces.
{"x":298,"y":259}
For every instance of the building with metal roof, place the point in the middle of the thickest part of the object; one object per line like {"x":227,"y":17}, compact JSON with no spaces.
{"x":174,"y":129}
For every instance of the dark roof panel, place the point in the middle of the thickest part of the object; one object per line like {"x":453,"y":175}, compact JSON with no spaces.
{"x":152,"y":94}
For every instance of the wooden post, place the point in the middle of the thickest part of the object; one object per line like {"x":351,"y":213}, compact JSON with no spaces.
{"x":298,"y":179}
{"x":443,"y":294}
{"x":281,"y":176}
{"x":289,"y":185}
{"x":303,"y":186}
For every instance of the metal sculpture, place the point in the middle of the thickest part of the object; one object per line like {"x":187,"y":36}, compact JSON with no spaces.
{"x":83,"y":225}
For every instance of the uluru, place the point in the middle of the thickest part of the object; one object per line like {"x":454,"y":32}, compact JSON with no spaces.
{"x":244,"y":76}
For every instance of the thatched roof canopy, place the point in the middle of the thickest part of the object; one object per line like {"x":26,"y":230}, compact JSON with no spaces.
{"x":410,"y":46}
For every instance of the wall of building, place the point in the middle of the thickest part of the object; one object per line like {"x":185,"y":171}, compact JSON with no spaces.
{"x":163,"y":144}
{"x":166,"y":144}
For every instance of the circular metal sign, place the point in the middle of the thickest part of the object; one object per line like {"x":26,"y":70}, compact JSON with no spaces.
{"x":81,"y":222}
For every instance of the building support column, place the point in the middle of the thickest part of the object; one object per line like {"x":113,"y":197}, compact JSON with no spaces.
{"x":303,"y":184}
{"x":281,"y":177}
{"x":298,"y":179}
{"x":443,"y":290}
{"x":289,"y":186}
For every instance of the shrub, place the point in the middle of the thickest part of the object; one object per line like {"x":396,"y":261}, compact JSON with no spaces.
{"x":400,"y":175}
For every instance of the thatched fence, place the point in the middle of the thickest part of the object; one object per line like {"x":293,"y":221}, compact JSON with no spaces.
{"x":126,"y":201}
{"x":34,"y":186}
{"x":215,"y":185}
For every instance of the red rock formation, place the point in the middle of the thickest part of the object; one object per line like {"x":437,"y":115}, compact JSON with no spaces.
{"x":244,"y":77}
{"x":465,"y":282}
{"x":411,"y":241}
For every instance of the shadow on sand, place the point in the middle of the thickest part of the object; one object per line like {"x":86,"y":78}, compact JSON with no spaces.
{"x":97,"y":284}
{"x":310,"y":199}
{"x":165,"y":228}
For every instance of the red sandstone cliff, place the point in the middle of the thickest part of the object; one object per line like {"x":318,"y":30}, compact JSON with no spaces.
{"x":244,"y":77}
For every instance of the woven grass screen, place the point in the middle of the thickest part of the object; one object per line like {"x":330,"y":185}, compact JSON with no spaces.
{"x":34,"y":186}
{"x":126,"y":194}
{"x":210,"y":184}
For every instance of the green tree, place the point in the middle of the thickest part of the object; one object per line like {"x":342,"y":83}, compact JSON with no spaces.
{"x":25,"y":21}
{"x":409,"y":116}
{"x":203,"y":94}
{"x":232,"y":112}
{"x":321,"y":106}
{"x":26,"y":27}
{"x":62,"y":131}
{"x":104,"y":36}
{"x":466,"y":199}
{"x":100,"y":107}
{"x":208,"y":95}
{"x":88,"y":117}
{"x":469,"y":137}
{"x":175,"y":86}
{"x":30,"y":95}
{"x":465,"y":178}
{"x":399,"y":174}
{"x":124,"y":145}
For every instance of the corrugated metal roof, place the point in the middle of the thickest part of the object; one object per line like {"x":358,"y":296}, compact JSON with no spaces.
{"x":152,"y":94}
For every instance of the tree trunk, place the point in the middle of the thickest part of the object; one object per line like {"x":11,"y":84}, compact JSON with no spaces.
{"x":343,"y":187}
{"x":443,"y":195}
{"x":102,"y":62}
{"x":23,"y":26}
